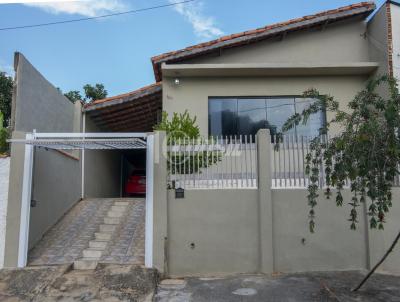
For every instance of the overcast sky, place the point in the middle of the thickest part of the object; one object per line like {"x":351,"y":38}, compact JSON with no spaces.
{"x":116,"y":51}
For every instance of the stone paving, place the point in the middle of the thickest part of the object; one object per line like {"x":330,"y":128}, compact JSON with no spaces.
{"x":127,"y":243}
{"x":66,"y":241}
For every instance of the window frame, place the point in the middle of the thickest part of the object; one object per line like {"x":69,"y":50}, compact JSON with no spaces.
{"x":238,"y":98}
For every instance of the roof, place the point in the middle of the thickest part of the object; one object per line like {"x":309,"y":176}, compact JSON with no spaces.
{"x":362,"y":9}
{"x":126,"y":97}
{"x":136,"y":111}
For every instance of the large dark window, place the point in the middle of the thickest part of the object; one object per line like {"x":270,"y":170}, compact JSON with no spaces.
{"x":235,"y":116}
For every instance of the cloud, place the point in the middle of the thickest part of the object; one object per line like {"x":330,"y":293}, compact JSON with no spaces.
{"x":7,"y":68}
{"x":204,"y":26}
{"x":88,"y":8}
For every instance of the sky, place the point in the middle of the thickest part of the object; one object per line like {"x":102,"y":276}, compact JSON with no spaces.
{"x":116,"y":51}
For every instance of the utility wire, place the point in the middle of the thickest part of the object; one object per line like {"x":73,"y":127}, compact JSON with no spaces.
{"x":96,"y":17}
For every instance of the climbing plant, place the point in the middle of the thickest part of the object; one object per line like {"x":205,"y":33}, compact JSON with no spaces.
{"x":365,"y":152}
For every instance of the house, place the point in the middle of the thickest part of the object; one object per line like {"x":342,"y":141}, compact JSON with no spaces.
{"x":233,"y":221}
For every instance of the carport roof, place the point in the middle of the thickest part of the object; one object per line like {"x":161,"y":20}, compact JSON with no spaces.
{"x":136,"y":111}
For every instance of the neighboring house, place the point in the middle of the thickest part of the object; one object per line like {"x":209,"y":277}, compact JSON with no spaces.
{"x":235,"y":85}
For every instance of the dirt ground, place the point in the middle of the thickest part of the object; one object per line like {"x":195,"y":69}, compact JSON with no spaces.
{"x":59,"y":283}
{"x":116,"y":283}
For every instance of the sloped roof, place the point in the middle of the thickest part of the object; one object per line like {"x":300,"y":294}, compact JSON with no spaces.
{"x":362,"y":9}
{"x":126,"y":97}
{"x":136,"y":111}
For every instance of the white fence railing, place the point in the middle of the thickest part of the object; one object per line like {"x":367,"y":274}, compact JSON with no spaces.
{"x":228,"y":162}
{"x":288,"y":162}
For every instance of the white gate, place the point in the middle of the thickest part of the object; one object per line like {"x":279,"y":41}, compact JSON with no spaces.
{"x":83,"y":141}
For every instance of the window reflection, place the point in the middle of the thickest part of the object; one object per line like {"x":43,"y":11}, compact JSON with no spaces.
{"x":245,"y":116}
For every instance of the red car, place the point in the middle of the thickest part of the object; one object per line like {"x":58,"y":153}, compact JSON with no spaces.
{"x":136,"y":183}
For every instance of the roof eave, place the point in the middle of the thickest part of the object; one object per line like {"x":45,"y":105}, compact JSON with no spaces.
{"x":238,"y":41}
{"x":126,"y":98}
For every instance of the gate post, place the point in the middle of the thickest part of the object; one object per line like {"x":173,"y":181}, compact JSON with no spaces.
{"x":25,"y":204}
{"x":265,"y":218}
{"x":156,"y":202}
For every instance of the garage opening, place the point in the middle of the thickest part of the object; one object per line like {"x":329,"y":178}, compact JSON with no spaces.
{"x":110,"y":223}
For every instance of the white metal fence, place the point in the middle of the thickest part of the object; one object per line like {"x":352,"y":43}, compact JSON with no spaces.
{"x":228,"y":162}
{"x":288,"y":162}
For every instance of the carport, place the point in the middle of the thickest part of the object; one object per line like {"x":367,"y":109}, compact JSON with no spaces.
{"x":76,"y":152}
{"x":66,"y":143}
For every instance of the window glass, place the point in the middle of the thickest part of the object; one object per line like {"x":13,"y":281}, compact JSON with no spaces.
{"x":222,"y":116}
{"x":245,"y":116}
{"x":278,"y":112}
{"x":314,"y":123}
{"x":251,"y":116}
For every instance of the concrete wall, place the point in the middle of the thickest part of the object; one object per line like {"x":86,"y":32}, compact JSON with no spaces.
{"x":378,"y":40}
{"x":340,"y":42}
{"x":193,"y":93}
{"x":395,"y":10}
{"x":222,"y":225}
{"x":4,"y":176}
{"x":101,"y":180}
{"x":39,"y":105}
{"x":333,"y":246}
{"x":225,"y":231}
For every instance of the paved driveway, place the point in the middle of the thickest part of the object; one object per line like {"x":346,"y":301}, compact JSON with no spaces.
{"x":66,"y":240}
{"x":307,"y":287}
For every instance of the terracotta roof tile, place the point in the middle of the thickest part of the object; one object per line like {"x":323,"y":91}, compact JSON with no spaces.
{"x":199,"y":49}
{"x":132,"y":94}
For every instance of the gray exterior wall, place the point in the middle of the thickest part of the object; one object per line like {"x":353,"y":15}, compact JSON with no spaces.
{"x":264,"y":230}
{"x":102,"y":170}
{"x":395,"y":9}
{"x":377,"y":38}
{"x":222,"y":224}
{"x":193,"y":93}
{"x":339,"y":42}
{"x":39,"y":105}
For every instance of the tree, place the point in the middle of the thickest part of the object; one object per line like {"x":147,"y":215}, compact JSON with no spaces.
{"x":6,"y":89}
{"x":93,"y":93}
{"x":366,"y":152}
{"x":4,"y":146}
{"x":73,"y":96}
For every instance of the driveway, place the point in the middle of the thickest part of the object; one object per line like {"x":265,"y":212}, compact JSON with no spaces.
{"x":307,"y":287}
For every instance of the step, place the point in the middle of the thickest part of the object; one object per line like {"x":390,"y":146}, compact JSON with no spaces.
{"x":98,"y":244}
{"x":119,"y":208}
{"x":92,"y":253}
{"x":107,"y":228}
{"x":113,"y":220}
{"x":121,"y":203}
{"x":102,"y":236}
{"x":114,"y":214}
{"x":85,"y":264}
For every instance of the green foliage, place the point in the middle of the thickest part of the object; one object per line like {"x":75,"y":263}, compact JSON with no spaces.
{"x":73,"y":96}
{"x":4,"y":134}
{"x":6,"y":89}
{"x":182,"y":131}
{"x":181,"y":126}
{"x":366,"y":152}
{"x":93,"y":93}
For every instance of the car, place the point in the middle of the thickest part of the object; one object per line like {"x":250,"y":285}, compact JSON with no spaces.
{"x":136,"y":183}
